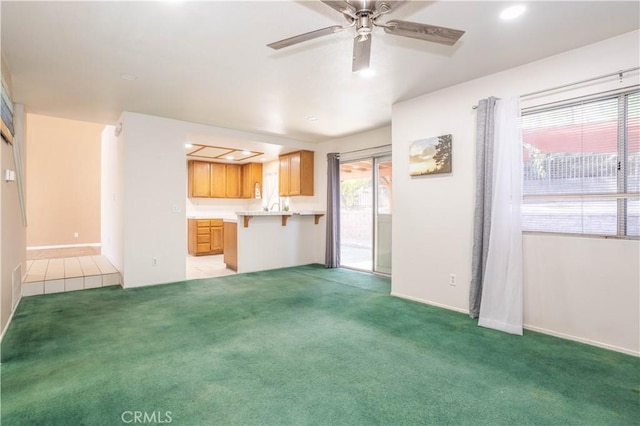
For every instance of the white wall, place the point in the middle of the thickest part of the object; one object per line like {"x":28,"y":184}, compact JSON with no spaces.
{"x":595,"y":281}
{"x":151,"y":154}
{"x":112,"y":194}
{"x":13,"y":235}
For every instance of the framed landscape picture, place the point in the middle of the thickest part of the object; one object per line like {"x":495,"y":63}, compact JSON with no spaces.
{"x":430,"y":156}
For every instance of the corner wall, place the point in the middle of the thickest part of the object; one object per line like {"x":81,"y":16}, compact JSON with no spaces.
{"x":12,"y":231}
{"x":151,"y":153}
{"x":578,"y":288}
{"x":112,"y":193}
{"x":63,"y":193}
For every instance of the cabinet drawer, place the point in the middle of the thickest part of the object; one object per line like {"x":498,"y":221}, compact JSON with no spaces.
{"x":204,"y":238}
{"x":201,"y":222}
{"x":216,"y":222}
{"x":202,"y":230}
{"x":204,"y":248}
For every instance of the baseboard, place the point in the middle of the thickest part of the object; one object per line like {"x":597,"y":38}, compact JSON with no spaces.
{"x":64,"y":246}
{"x":582,"y":340}
{"x":428,"y":302}
{"x":6,"y":327}
{"x":530,"y":327}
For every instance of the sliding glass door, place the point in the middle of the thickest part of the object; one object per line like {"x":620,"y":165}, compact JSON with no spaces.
{"x":382,"y":218}
{"x":365,"y":214}
{"x":356,"y":214}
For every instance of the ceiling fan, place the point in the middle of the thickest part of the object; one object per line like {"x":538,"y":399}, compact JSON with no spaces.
{"x":364,"y":15}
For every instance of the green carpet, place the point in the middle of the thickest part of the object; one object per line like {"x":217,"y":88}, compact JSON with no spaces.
{"x":294,"y":346}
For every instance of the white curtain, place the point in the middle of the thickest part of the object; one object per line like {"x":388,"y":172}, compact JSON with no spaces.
{"x":501,"y":305}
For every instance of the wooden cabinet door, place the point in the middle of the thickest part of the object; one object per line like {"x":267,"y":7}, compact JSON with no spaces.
{"x":218,"y":180}
{"x":217,"y":240}
{"x":284,"y":176}
{"x":306,"y":173}
{"x":251,"y":174}
{"x":246,"y":181}
{"x":231,"y":245}
{"x":199,"y":182}
{"x":234,"y":180}
{"x":294,"y":174}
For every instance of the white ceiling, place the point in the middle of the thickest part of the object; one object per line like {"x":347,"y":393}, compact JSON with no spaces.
{"x":207,"y":62}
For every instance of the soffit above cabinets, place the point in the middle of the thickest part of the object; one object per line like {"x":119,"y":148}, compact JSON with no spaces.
{"x":222,"y":154}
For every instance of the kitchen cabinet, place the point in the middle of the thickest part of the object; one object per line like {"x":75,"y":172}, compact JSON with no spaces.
{"x":296,"y":174}
{"x":198,"y":175}
{"x":221,"y":180}
{"x":231,"y":245}
{"x":218,"y":180}
{"x":252,"y":175}
{"x":206,"y":236}
{"x":234,"y":181}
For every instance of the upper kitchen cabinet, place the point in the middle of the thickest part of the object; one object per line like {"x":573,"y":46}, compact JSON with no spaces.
{"x":220,"y":180}
{"x":199,"y":182}
{"x":252,"y":180}
{"x":234,"y":181}
{"x":296,"y":174}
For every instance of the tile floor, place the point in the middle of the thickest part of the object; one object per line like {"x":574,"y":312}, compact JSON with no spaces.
{"x":57,"y":253}
{"x":206,"y":267}
{"x":46,"y":276}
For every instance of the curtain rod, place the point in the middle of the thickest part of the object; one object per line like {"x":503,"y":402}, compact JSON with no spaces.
{"x":365,"y":149}
{"x":575,"y":83}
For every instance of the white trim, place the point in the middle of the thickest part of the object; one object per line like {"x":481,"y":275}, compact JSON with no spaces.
{"x":428,"y":302}
{"x":530,"y":327}
{"x":64,"y":246}
{"x":582,"y":340}
{"x":6,"y":327}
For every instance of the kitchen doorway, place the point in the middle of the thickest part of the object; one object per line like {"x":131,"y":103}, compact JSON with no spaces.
{"x":365,"y":214}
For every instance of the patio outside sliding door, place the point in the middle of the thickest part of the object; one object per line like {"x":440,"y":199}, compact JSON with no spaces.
{"x":382,"y":218}
{"x":356,"y":214}
{"x":365,"y":214}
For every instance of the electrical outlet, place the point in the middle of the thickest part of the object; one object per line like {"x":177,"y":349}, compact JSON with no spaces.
{"x":452,"y":279}
{"x":175,"y":208}
{"x":75,"y":235}
{"x":154,"y":261}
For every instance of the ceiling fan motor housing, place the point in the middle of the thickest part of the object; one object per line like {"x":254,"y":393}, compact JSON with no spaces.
{"x":364,"y":25}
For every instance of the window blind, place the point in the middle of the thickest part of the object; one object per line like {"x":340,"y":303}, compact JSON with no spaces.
{"x":581,"y":166}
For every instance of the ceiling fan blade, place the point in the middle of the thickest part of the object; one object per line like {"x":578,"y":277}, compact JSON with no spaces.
{"x":304,"y":37}
{"x":342,"y":7}
{"x":361,"y":53}
{"x":426,"y":32}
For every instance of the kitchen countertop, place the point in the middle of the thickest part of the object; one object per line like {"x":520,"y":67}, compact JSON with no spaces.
{"x":280,"y":213}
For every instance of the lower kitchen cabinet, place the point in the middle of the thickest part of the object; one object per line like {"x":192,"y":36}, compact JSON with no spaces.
{"x":206,"y":236}
{"x":231,"y":245}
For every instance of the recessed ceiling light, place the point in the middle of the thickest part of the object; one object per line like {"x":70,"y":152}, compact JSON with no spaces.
{"x":367,"y":72}
{"x":188,"y":145}
{"x":229,"y":157}
{"x":512,"y":12}
{"x":246,"y":152}
{"x":312,"y":118}
{"x":128,"y":77}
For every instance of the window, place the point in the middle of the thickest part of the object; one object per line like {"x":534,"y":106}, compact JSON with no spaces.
{"x":582,"y":167}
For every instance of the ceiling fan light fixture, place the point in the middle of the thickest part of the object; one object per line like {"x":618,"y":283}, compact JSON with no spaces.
{"x":188,"y":145}
{"x":512,"y":12}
